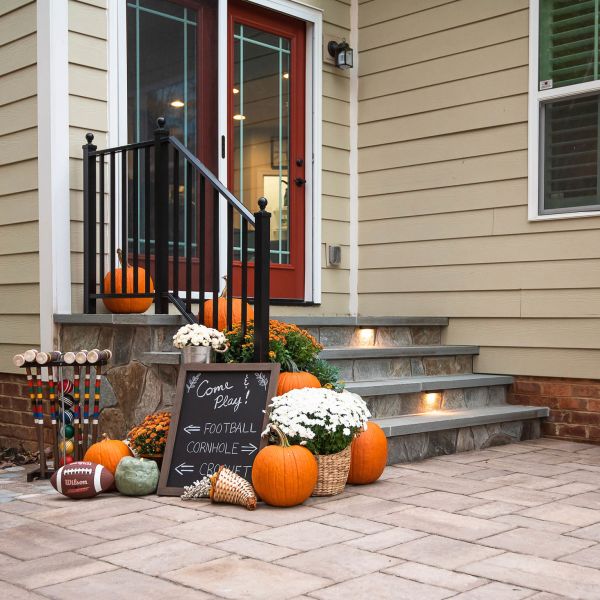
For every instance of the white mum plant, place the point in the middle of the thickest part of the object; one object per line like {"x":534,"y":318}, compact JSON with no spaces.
{"x":200,"y":335}
{"x":323,"y":420}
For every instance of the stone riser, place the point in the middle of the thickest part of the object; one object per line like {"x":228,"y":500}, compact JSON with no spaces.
{"x":337,"y":336}
{"x":418,"y":446}
{"x":391,"y":405}
{"x":373,"y":369}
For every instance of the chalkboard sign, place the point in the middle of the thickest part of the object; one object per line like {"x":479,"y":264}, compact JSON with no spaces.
{"x":218,"y":418}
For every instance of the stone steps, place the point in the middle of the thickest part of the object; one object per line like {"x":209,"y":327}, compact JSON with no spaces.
{"x":373,"y":363}
{"x":423,"y":393}
{"x":397,"y":397}
{"x":368,"y":331}
{"x":420,"y":436}
{"x":404,"y":385}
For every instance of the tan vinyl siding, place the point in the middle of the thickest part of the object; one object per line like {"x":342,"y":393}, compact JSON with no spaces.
{"x":88,"y":111}
{"x":19,"y":267}
{"x":443,"y":191}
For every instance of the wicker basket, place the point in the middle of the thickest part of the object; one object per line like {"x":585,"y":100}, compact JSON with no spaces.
{"x":333,"y":472}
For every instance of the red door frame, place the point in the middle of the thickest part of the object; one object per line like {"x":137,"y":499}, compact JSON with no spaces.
{"x":287,"y":281}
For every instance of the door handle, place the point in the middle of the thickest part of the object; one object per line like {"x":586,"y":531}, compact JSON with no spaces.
{"x":299,"y":181}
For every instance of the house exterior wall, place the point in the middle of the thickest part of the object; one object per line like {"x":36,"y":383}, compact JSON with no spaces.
{"x":19,"y":228}
{"x":443,"y":227}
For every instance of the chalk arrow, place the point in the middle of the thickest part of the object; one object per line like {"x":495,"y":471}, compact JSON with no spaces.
{"x":190,"y":428}
{"x":183,"y":468}
{"x":249,"y":449}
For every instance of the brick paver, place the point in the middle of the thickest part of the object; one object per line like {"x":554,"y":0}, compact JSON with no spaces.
{"x":507,"y":523}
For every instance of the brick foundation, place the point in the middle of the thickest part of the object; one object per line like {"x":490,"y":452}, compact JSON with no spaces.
{"x":16,"y":422}
{"x":574,"y":405}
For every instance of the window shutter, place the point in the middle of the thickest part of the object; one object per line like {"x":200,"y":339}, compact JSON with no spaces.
{"x":568,"y":42}
{"x":570,"y":153}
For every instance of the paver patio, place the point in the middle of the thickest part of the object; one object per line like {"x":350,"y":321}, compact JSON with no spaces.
{"x":506,"y":523}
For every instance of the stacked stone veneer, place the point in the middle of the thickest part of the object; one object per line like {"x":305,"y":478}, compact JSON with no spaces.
{"x":131,"y":388}
{"x":574,"y":405}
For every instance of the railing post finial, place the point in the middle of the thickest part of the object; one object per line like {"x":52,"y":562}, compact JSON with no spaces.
{"x":89,"y":136}
{"x":262,"y":203}
{"x":161,"y":122}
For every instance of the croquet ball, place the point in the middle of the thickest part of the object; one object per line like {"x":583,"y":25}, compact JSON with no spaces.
{"x":66,"y":417}
{"x":66,"y":431}
{"x":66,"y":460}
{"x":66,"y":446}
{"x":66,"y":386}
{"x":66,"y":401}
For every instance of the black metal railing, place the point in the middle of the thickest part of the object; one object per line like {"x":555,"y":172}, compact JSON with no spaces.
{"x":161,"y":207}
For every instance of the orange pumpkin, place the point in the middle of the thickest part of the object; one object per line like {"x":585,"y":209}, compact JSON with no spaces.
{"x":236,"y":311}
{"x":369,"y":455}
{"x":295,"y":381}
{"x":284,"y":475}
{"x":108,"y":453}
{"x":127,"y":305}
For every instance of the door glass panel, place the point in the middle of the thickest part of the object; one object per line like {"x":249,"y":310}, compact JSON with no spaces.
{"x":161,"y":52}
{"x":161,"y":81}
{"x":261,"y":110}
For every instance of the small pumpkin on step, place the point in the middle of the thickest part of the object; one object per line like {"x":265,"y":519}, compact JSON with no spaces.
{"x":236,"y":311}
{"x":127,"y":305}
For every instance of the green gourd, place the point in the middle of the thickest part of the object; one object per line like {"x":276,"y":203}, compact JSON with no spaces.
{"x":136,"y":476}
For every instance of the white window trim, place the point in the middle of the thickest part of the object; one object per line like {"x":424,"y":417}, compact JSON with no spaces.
{"x":313,"y":134}
{"x":536,"y":97}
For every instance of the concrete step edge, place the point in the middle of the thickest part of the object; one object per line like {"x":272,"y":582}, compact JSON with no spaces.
{"x":429,"y":383}
{"x":354,"y":352}
{"x":456,"y":419}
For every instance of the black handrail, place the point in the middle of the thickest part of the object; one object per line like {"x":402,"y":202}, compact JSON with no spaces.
{"x":156,"y":206}
{"x":212,"y":179}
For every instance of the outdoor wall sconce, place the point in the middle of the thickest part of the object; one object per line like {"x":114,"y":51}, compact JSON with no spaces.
{"x":342,"y":54}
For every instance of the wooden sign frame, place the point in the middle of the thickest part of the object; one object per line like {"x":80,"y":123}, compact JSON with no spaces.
{"x":163,"y":488}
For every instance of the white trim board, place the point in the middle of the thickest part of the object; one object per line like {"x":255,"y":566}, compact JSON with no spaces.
{"x":533,"y":135}
{"x":53,"y":165}
{"x":354,"y":200}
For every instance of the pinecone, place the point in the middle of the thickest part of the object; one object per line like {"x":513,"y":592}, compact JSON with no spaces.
{"x":199,"y":489}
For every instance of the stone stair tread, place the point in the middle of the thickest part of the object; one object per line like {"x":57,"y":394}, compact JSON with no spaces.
{"x":162,"y":358}
{"x":426,"y":383}
{"x":455,"y":419}
{"x":351,"y":352}
{"x":321,"y":321}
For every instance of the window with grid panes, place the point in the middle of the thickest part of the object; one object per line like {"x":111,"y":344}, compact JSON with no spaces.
{"x":569,"y":167}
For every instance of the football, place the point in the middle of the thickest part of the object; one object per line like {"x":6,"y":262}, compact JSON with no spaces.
{"x":82,"y":479}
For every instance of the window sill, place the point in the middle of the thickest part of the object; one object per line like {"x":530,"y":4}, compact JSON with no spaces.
{"x":557,"y":216}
